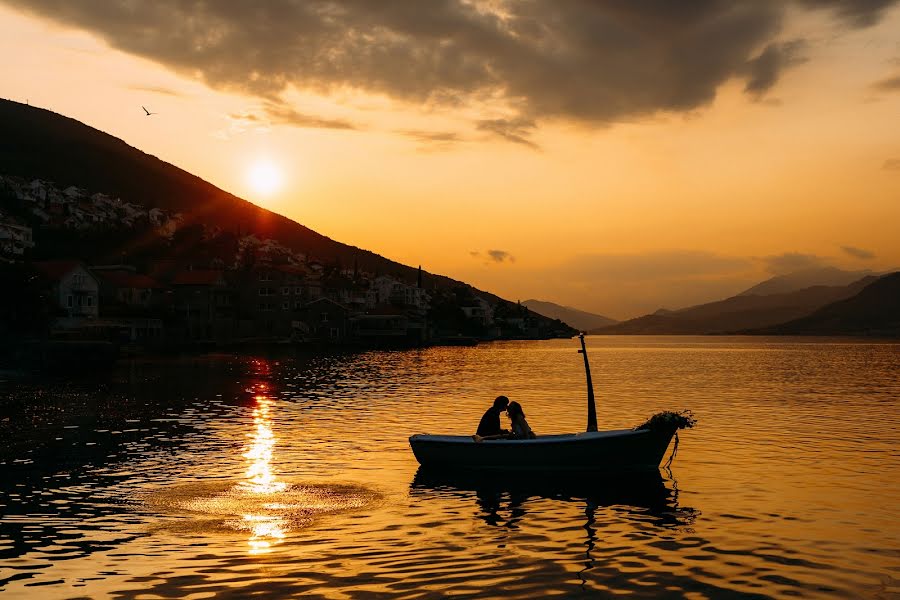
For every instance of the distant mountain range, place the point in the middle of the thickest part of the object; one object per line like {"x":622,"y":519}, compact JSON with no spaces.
{"x":873,"y":311}
{"x":743,"y":312}
{"x":805,"y":278}
{"x":579,"y":319}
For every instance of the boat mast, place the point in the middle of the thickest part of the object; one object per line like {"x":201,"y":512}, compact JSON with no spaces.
{"x":592,"y":409}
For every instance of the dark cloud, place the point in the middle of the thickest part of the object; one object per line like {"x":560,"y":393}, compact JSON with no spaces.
{"x":500,"y":256}
{"x":859,"y":13}
{"x":891,"y":164}
{"x":595,"y":62}
{"x":764,"y":70}
{"x":859,"y":253}
{"x":496,"y":256}
{"x":512,"y":130}
{"x":789,"y":262}
{"x":888,"y":84}
{"x":285,"y":115}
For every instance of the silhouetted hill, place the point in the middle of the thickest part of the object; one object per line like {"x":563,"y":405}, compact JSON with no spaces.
{"x":875,"y":311}
{"x":579,"y":319}
{"x":805,"y":278}
{"x":737,"y":313}
{"x":39,"y":144}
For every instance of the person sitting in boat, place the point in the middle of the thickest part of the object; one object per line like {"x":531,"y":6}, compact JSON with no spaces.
{"x":520,"y":428}
{"x":489,"y":426}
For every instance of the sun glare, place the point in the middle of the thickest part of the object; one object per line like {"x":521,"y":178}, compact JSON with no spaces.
{"x":264,"y":178}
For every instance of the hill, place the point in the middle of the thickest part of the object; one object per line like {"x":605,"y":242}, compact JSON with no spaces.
{"x":579,"y":319}
{"x":875,"y":311}
{"x":39,"y":144}
{"x":737,"y":313}
{"x":805,"y":278}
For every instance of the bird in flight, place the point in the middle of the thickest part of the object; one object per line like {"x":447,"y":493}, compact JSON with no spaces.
{"x":147,"y":111}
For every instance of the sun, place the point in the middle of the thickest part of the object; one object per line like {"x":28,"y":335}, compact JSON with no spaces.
{"x":264,"y":178}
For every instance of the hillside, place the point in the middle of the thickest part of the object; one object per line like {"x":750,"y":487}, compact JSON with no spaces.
{"x":875,"y":311}
{"x":805,"y":278}
{"x":39,"y":144}
{"x":579,"y":319}
{"x":737,"y":313}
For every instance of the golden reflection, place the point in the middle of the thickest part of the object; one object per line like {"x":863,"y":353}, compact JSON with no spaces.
{"x":266,"y":529}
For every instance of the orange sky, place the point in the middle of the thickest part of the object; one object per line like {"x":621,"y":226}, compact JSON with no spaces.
{"x":650,"y":201}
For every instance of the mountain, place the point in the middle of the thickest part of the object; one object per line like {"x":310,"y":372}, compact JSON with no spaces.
{"x":875,"y":310}
{"x":579,"y":319}
{"x":738,"y":312}
{"x":39,"y":144}
{"x":805,"y":278}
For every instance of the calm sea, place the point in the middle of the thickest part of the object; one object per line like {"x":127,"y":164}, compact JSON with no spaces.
{"x":232,"y":476}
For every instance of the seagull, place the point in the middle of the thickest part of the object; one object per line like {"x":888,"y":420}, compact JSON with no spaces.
{"x":147,"y":111}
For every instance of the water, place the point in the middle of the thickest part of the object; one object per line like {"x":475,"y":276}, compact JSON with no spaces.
{"x":291,"y":475}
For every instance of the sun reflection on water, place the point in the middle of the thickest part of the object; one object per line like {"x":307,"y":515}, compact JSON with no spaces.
{"x":266,"y":529}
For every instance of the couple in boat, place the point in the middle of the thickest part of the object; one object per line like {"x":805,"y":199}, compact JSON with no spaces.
{"x":489,"y":427}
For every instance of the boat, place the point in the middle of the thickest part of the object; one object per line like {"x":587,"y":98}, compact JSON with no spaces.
{"x":621,"y":450}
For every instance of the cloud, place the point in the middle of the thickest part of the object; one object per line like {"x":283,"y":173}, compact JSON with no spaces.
{"x":888,"y":84}
{"x":780,"y":264}
{"x":859,"y":253}
{"x":512,"y":130}
{"x":859,"y":13}
{"x":285,"y":115}
{"x":669,"y":265}
{"x":155,"y":90}
{"x":495,"y":256}
{"x":891,"y":164}
{"x":500,"y":256}
{"x":528,"y":60}
{"x":432,"y":140}
{"x":764,"y":70}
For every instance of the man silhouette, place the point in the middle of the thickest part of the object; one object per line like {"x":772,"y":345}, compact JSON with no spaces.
{"x":490,"y":422}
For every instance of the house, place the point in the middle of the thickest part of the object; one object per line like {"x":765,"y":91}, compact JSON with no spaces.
{"x":75,"y":290}
{"x":120,"y":284}
{"x":325,"y":320}
{"x":480,"y":310}
{"x":204,"y":305}
{"x":15,"y":238}
{"x":387,"y":290}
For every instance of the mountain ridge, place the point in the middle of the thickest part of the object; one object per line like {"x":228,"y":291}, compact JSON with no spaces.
{"x":579,"y":319}
{"x":736,"y":313}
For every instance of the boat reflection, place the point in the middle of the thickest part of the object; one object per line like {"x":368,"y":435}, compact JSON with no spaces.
{"x":503,"y":499}
{"x":646,"y":494}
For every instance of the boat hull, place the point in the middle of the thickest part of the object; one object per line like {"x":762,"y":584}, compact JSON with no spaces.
{"x":608,"y":451}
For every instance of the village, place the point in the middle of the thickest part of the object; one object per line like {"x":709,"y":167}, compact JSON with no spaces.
{"x":229,"y":290}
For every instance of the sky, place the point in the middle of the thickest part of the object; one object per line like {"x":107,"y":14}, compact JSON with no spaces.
{"x":613,"y":156}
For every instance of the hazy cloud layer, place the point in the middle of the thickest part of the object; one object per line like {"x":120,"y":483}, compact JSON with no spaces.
{"x":859,"y":253}
{"x":780,"y":264}
{"x":155,"y":90}
{"x":891,"y":164}
{"x":432,"y":140}
{"x":526,"y":60}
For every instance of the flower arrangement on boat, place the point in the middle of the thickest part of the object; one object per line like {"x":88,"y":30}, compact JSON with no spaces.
{"x":669,"y":420}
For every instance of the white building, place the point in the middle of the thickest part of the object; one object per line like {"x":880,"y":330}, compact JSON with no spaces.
{"x":75,"y":290}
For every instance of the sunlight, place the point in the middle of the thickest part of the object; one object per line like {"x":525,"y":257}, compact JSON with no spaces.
{"x":264,"y":177}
